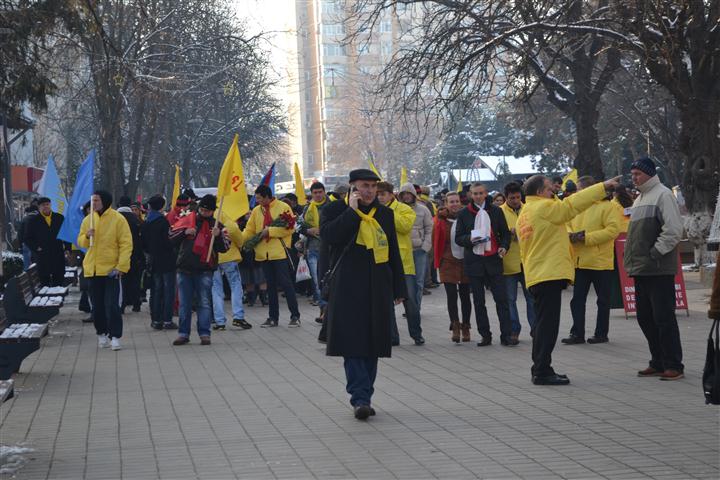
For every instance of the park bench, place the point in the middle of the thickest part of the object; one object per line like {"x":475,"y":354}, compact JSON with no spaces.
{"x":17,"y":341}
{"x":6,"y":390}
{"x":71,"y":275}
{"x":23,"y":306}
{"x":40,"y":290}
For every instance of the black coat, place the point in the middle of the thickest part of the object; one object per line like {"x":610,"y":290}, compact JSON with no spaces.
{"x":478,"y":265}
{"x":362,"y":293}
{"x":155,"y":238}
{"x":47,"y":251}
{"x":137,"y":259}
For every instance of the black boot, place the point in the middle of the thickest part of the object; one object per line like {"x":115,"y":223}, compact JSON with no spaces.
{"x":264,"y":298}
{"x":251,"y":297}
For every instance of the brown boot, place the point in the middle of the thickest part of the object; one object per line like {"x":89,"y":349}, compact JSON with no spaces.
{"x":456,"y":332}
{"x":465,"y":332}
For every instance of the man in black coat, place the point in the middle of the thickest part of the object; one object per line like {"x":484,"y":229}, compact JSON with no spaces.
{"x":367,"y":280}
{"x":40,"y":235}
{"x":161,"y":255}
{"x":131,"y":280}
{"x":484,"y":250}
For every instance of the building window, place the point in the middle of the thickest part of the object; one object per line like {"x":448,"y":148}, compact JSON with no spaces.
{"x":387,"y":49}
{"x":330,"y":7}
{"x":386,"y":26}
{"x":333,"y":50}
{"x":331,"y":91}
{"x":333,"y":71}
{"x":333,"y":29}
{"x":364,"y":48}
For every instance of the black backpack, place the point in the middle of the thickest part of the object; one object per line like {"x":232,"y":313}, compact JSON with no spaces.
{"x":711,"y":372}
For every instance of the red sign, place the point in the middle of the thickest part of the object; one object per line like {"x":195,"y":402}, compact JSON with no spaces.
{"x":627,"y":284}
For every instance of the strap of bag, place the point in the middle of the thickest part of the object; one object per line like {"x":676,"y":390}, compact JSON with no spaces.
{"x":287,"y":255}
{"x":331,"y":272}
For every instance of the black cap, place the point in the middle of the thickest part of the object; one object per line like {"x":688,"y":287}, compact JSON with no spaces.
{"x":363,"y":174}
{"x":645,"y":165}
{"x":42,"y":200}
{"x":208,"y":202}
{"x":156,"y":202}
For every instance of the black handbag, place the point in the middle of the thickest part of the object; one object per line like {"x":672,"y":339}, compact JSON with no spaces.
{"x":711,"y":372}
{"x":327,"y":278}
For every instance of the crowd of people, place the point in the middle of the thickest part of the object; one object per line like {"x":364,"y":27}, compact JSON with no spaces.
{"x":370,"y":246}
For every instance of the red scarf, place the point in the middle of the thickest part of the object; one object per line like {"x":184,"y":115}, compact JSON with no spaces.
{"x":201,"y":245}
{"x":493,"y":241}
{"x":440,"y":233}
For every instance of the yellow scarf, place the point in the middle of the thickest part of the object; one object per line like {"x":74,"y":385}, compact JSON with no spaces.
{"x":372,"y":236}
{"x":312,"y":216}
{"x":48,"y":218}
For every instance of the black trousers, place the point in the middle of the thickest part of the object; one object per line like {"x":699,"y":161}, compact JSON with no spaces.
{"x":451,"y":291}
{"x":548,"y":298}
{"x":655,"y":303}
{"x":131,"y":287}
{"x":601,"y":280}
{"x":106,"y":297}
{"x":496,"y":283}
{"x":277,"y":273}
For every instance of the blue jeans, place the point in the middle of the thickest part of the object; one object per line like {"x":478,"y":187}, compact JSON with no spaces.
{"x":232,"y":273}
{"x":188,"y":285}
{"x":411,"y":311}
{"x":162,"y":297}
{"x":511,"y":281}
{"x":420,"y":259}
{"x":27,"y":257}
{"x":312,"y":260}
{"x":360,"y":373}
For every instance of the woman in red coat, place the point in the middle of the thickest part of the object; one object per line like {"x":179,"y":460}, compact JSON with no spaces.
{"x":448,"y":259}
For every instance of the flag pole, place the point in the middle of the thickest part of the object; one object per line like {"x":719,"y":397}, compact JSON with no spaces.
{"x":212,"y":237}
{"x":92,"y":222}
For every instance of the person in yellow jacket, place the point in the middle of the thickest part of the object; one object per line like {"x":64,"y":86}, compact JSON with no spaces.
{"x":228,"y":266}
{"x":546,"y":256}
{"x":106,"y":236}
{"x":404,"y":217}
{"x":593,"y":235}
{"x":512,"y":266}
{"x":271,"y":252}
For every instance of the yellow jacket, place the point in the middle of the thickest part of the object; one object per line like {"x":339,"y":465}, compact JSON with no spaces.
{"x":601,"y":225}
{"x":272,"y":249}
{"x":404,"y":221}
{"x":545,"y":250}
{"x":511,"y":260}
{"x":624,"y":219}
{"x":236,"y":242}
{"x":112,"y":247}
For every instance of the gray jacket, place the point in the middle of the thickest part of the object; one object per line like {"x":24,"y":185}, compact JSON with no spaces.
{"x":422,"y":228}
{"x":654,"y":232}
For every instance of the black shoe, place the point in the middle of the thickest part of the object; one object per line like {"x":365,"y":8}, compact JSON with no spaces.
{"x":318,"y":320}
{"x":362,"y":412}
{"x":269,"y":323}
{"x":264,"y":298}
{"x":553,"y":379}
{"x":395,"y":343}
{"x":322,"y":340}
{"x":595,"y":339}
{"x":573,"y":340}
{"x":419,"y":341}
{"x":218,"y":327}
{"x":294,"y":322}
{"x":88,"y":320}
{"x":372,"y":412}
{"x":136,"y":308}
{"x":170,"y":326}
{"x":240,"y":322}
{"x":485,"y":342}
{"x":426,"y":291}
{"x":509,"y":342}
{"x":156,"y":326}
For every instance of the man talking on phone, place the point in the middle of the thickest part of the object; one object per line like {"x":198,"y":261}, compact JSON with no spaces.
{"x":366,"y":280}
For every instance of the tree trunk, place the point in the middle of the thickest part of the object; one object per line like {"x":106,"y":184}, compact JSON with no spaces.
{"x":588,"y":160}
{"x":700,"y":145}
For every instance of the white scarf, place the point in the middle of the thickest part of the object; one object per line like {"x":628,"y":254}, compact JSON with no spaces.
{"x":482,"y":231}
{"x":456,"y":250}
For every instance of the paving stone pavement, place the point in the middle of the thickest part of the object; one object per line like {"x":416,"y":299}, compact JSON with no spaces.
{"x":268,"y":403}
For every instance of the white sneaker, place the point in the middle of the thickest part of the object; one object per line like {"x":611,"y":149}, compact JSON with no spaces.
{"x":116,"y":344}
{"x":103,"y":341}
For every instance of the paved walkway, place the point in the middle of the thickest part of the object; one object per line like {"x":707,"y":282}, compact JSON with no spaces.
{"x":269,"y":404}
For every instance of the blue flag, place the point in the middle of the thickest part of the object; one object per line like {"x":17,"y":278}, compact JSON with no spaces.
{"x":50,"y":187}
{"x":81,"y":194}
{"x":269,"y":180}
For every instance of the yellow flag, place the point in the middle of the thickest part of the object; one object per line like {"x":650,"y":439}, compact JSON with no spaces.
{"x":231,"y":184}
{"x":299,"y":186}
{"x":375,"y":170}
{"x":176,"y":187}
{"x":573,"y":175}
{"x":403,"y":176}
{"x":459,"y":186}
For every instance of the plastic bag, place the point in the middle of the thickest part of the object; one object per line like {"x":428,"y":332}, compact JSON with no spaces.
{"x":303,"y":271}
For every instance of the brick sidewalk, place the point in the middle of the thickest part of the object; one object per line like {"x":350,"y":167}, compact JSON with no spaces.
{"x":267,"y":403}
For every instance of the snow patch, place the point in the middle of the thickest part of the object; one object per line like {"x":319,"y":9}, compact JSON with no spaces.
{"x":13,"y":458}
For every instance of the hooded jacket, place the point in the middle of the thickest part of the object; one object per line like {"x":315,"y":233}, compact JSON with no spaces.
{"x":112,"y":246}
{"x":271,"y":248}
{"x":404,"y":221}
{"x":421,"y":235}
{"x":654,"y":233}
{"x":601,"y":224}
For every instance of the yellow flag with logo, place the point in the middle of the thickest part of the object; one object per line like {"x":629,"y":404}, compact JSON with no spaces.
{"x":299,"y":186}
{"x":459,"y":186}
{"x":403,"y":176}
{"x":573,"y":175}
{"x":375,"y":170}
{"x":176,"y":186}
{"x":231,"y":184}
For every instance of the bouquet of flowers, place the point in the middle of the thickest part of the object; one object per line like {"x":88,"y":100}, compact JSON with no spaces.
{"x":285,"y":220}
